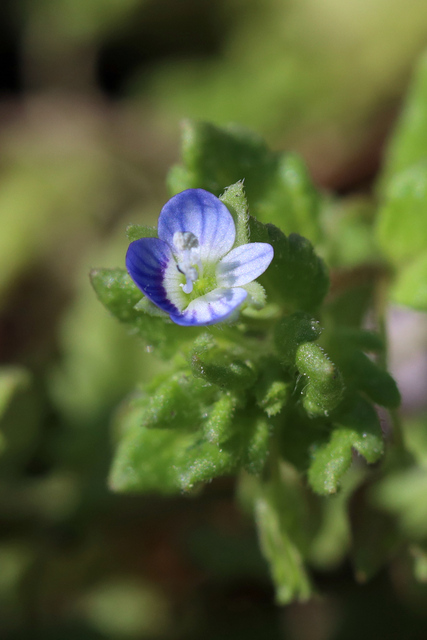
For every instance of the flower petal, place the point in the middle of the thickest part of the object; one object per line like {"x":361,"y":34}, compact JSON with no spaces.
{"x":203,"y":214}
{"x":244,"y":264}
{"x":213,"y":307}
{"x":147,"y":261}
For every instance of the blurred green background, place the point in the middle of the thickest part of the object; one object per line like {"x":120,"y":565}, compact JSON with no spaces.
{"x":92,"y":96}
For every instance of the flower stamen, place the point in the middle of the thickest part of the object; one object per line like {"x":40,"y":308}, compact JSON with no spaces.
{"x":187,"y":254}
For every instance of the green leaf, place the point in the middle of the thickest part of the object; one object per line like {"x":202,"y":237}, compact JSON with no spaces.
{"x":351,"y":301}
{"x":117,"y":292}
{"x":348,"y":222}
{"x":332,"y":537}
{"x":272,"y":390}
{"x":410,"y":287}
{"x":277,"y":186}
{"x":324,"y":388}
{"x":349,"y":337}
{"x":146,"y":306}
{"x":138,"y":231}
{"x":402,"y":219}
{"x":300,"y":434}
{"x":365,"y":375}
{"x":290,"y":200}
{"x":402,"y":223}
{"x":257,"y":448}
{"x":331,"y":461}
{"x":220,"y":366}
{"x":282,"y":527}
{"x":293,"y":331}
{"x":180,"y":401}
{"x":219,"y":425}
{"x":356,"y":427}
{"x":323,"y":385}
{"x":122,"y":298}
{"x":235,"y":200}
{"x":179,"y":179}
{"x":409,"y":142}
{"x":297,"y":276}
{"x":361,"y":372}
{"x":214,"y":158}
{"x":164,"y":460}
{"x":416,"y":438}
{"x":172,"y":460}
{"x":256,"y":299}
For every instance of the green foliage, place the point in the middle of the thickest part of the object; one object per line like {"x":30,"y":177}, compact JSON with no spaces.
{"x":220,"y":366}
{"x":161,"y":446}
{"x":137,"y":231}
{"x":348,"y":226}
{"x":282,"y":524}
{"x":410,"y":288}
{"x":402,"y":232}
{"x":349,"y":338}
{"x":282,"y":398}
{"x":273,"y":392}
{"x":164,"y":461}
{"x":408,"y":145}
{"x":402,"y":219}
{"x":362,"y":373}
{"x":117,"y":292}
{"x":323,"y":385}
{"x":256,"y":301}
{"x":297,"y":276}
{"x":294,"y":331}
{"x":179,"y":401}
{"x":402,"y":223}
{"x":291,"y":200}
{"x":214,"y":158}
{"x":356,"y":427}
{"x":277,"y":186}
{"x":219,"y":424}
{"x":186,"y":432}
{"x":235,"y":200}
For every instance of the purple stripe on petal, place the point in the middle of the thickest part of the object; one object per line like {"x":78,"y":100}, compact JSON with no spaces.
{"x":146,"y":262}
{"x":211,"y":308}
{"x":204,"y":215}
{"x":244,"y":264}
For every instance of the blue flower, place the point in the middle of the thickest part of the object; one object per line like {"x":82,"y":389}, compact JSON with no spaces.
{"x":191,"y":270}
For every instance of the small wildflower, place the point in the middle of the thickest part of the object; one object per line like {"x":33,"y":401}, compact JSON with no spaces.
{"x":191,"y":270}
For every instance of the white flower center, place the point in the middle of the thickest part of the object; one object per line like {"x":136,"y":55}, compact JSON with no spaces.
{"x":187,"y":254}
